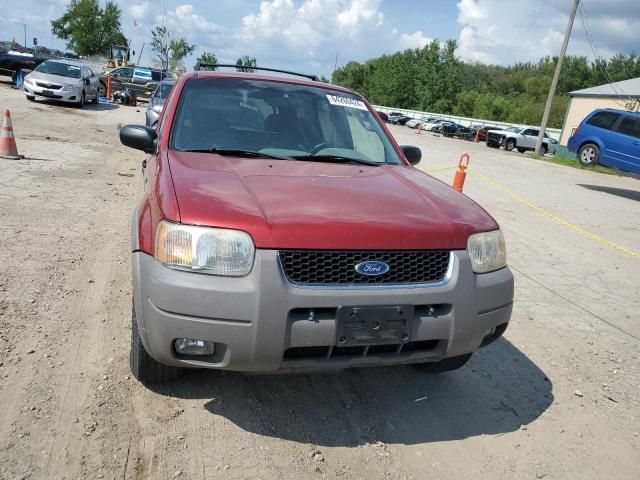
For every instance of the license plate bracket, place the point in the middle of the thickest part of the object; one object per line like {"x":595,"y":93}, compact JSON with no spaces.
{"x":374,"y":325}
{"x":47,"y":93}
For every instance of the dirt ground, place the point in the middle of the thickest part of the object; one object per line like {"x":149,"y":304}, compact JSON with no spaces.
{"x":557,"y":398}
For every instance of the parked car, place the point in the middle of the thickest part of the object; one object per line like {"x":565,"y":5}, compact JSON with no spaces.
{"x":402,"y":120}
{"x":415,"y":122}
{"x":282,"y":228}
{"x":11,"y":62}
{"x":156,"y":101}
{"x":609,"y":137}
{"x":434,"y":123}
{"x":456,"y":130}
{"x":521,"y":139}
{"x":438,"y":128}
{"x":62,"y":80}
{"x":480,"y":131}
{"x":383,"y":116}
{"x":140,"y":80}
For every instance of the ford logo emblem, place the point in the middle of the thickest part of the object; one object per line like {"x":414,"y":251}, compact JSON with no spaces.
{"x":372,"y":268}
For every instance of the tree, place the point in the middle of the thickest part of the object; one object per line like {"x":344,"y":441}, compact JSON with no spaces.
{"x":170,"y":52}
{"x":208,"y":58}
{"x":88,"y":29}
{"x":245,"y":63}
{"x":179,"y":49}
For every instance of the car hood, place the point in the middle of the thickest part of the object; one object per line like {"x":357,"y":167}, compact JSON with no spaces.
{"x":498,"y":131}
{"x":315,"y":205}
{"x":59,"y":79}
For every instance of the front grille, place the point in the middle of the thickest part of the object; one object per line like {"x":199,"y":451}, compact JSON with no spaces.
{"x":49,"y":86}
{"x":302,"y":353}
{"x":337,"y":267}
{"x":494,"y":138}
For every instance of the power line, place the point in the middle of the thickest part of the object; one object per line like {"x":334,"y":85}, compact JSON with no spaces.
{"x":586,"y":24}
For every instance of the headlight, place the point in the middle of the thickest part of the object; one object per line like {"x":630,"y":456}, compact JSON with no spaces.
{"x":68,"y":88}
{"x":216,"y":251}
{"x":488,"y":251}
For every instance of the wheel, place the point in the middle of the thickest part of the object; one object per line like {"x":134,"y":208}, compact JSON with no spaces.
{"x":543,"y":150}
{"x":95,"y":99}
{"x":589,"y":155}
{"x":521,"y":150}
{"x":143,"y":367}
{"x":510,"y":145}
{"x":31,"y":98}
{"x":446,"y":365}
{"x":80,"y":104}
{"x":102,"y":90}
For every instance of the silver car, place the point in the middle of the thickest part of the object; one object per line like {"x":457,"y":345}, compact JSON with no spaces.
{"x":63,"y":80}
{"x":156,"y":102}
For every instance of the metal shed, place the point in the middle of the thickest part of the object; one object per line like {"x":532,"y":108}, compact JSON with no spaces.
{"x":623,"y":95}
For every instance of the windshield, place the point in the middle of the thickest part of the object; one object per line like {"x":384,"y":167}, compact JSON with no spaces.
{"x":278,"y":119}
{"x":163,"y":91}
{"x":58,"y":68}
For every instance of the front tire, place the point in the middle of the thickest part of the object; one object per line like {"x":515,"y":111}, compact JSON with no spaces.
{"x":31,"y":98}
{"x":543,"y":150}
{"x":143,"y":367}
{"x":510,"y":145}
{"x":80,"y":104}
{"x":446,"y":365}
{"x":589,"y":155}
{"x":102,"y":89}
{"x":521,"y":150}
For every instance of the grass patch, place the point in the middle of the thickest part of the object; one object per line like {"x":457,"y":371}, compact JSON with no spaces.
{"x":572,"y":162}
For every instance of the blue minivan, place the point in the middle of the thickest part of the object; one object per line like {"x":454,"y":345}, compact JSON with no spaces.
{"x":609,"y":137}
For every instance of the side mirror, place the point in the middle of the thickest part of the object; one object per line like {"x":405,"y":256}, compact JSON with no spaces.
{"x":139,"y":137}
{"x":413,"y":154}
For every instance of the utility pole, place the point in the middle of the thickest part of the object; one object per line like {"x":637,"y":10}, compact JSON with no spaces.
{"x":556,"y":76}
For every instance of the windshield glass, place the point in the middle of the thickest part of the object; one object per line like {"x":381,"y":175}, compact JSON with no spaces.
{"x":58,"y":68}
{"x":163,"y":91}
{"x":278,"y":119}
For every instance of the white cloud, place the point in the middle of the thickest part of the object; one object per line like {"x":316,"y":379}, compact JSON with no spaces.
{"x":413,"y":40}
{"x":496,"y":31}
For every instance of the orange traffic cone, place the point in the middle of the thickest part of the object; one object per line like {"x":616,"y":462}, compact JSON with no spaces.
{"x":461,"y":172}
{"x":8,"y":147}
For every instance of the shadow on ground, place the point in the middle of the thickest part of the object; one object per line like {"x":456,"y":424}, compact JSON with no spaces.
{"x":619,"y":192}
{"x":498,"y":391}
{"x":73,"y":108}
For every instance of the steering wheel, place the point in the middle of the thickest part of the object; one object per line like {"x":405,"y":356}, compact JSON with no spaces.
{"x":320,"y":146}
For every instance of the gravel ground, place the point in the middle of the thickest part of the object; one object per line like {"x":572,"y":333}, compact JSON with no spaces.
{"x":558,"y":397}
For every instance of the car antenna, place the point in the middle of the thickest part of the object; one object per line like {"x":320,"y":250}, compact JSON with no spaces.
{"x":200,"y":65}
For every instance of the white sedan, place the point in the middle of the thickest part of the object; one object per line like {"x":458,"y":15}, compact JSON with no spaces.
{"x":62,"y":80}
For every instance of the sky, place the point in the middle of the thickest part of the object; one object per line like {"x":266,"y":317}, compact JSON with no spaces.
{"x":306,"y":35}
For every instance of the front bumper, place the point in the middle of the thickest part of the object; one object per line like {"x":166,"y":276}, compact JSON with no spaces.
{"x":258,"y":321}
{"x":61,"y":95}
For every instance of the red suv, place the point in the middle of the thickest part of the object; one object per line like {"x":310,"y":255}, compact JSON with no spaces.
{"x":282,"y":227}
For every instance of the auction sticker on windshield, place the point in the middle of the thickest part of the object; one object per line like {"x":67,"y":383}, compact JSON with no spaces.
{"x":346,"y":102}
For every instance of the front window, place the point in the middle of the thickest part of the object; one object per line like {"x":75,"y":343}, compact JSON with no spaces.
{"x":59,"y":68}
{"x":603,"y":120}
{"x":125,"y":72}
{"x":275,"y":118}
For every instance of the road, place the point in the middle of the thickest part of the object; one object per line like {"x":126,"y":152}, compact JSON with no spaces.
{"x":557,"y":398}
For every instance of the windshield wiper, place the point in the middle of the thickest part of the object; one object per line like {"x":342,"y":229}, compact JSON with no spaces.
{"x":335,"y":158}
{"x":230,"y":152}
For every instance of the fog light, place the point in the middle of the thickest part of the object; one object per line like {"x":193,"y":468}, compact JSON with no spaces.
{"x":191,"y":346}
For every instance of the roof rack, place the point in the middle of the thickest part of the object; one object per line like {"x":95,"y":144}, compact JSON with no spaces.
{"x":200,"y":65}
